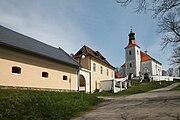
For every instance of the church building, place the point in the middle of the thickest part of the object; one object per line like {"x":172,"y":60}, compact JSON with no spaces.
{"x":137,"y":62}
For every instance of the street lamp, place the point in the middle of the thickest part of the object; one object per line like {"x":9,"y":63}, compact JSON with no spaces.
{"x":82,"y":57}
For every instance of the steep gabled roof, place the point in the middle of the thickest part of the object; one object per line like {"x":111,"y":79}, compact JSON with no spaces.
{"x":118,"y":75}
{"x":19,"y":41}
{"x":89,"y":52}
{"x":146,"y":57}
{"x":123,"y":65}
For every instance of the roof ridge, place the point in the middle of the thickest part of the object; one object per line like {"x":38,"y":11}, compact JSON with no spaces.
{"x":29,"y":44}
{"x":150,"y":57}
{"x":91,"y":52}
{"x":28,"y":37}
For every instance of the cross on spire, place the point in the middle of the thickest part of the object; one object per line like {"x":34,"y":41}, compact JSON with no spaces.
{"x":131,"y":30}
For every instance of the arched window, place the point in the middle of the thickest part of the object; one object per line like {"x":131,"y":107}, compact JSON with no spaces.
{"x":130,"y":52}
{"x":45,"y":74}
{"x":82,"y":81}
{"x":16,"y":69}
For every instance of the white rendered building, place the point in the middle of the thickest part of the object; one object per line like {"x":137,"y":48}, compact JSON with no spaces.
{"x":137,"y":62}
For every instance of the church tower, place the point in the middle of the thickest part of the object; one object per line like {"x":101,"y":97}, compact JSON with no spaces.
{"x":132,"y":56}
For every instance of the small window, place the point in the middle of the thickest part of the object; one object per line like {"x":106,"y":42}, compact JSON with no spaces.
{"x":101,"y":70}
{"x":137,"y":52}
{"x":65,"y":77}
{"x":16,"y":70}
{"x":130,"y":65}
{"x":107,"y":72}
{"x":45,"y":74}
{"x":130,"y":52}
{"x":94,"y":67}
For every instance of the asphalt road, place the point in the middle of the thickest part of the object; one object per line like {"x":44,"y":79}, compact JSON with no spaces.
{"x":159,"y":104}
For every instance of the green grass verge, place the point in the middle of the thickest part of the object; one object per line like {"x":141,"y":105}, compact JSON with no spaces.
{"x":177,"y":88}
{"x":43,"y":105}
{"x":137,"y":87}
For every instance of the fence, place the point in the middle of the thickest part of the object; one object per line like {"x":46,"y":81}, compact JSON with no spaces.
{"x":162,"y":78}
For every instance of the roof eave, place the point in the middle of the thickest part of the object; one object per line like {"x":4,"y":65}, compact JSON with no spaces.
{"x":24,"y":50}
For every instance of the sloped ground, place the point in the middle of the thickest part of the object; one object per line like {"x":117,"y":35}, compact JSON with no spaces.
{"x":154,"y":105}
{"x":43,"y":105}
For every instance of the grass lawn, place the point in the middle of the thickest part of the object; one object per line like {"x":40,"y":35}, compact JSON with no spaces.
{"x":177,"y":88}
{"x":137,"y":87}
{"x":43,"y":105}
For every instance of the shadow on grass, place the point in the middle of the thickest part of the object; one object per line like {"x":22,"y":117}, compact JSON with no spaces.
{"x":138,"y":87}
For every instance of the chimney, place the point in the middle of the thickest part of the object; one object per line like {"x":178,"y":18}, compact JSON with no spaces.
{"x":72,"y":55}
{"x":145,"y":51}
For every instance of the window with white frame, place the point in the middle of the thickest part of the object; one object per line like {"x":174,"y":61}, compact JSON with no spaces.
{"x":94,"y":67}
{"x":45,"y":74}
{"x":107,"y":72}
{"x":16,"y":70}
{"x":101,"y":70}
{"x":65,"y":77}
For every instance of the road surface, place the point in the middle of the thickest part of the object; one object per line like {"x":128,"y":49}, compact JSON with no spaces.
{"x":158,"y":104}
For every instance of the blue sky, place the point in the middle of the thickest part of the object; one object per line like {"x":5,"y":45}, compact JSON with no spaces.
{"x":102,"y":25}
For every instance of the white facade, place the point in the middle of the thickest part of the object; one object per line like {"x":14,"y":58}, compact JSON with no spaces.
{"x":114,"y":85}
{"x":133,"y":60}
{"x":151,"y":67}
{"x":138,"y":63}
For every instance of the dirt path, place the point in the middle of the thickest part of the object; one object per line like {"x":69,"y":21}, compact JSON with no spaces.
{"x":154,"y":105}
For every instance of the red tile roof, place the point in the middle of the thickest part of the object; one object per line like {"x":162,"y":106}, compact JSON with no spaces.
{"x":118,"y":75}
{"x":131,"y":43}
{"x":145,"y":57}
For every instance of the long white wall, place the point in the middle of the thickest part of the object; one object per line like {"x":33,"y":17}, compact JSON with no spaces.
{"x":60,"y":75}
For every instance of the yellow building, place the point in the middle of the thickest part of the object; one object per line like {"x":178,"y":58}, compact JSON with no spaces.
{"x":97,"y":65}
{"x":28,"y":63}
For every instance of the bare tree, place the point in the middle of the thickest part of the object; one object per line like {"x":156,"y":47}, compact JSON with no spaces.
{"x":175,"y":58}
{"x":170,"y":71}
{"x":160,"y":7}
{"x":170,"y":25}
{"x":168,"y":13}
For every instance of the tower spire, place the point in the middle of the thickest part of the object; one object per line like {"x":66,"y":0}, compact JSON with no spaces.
{"x":131,"y":35}
{"x":131,"y":30}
